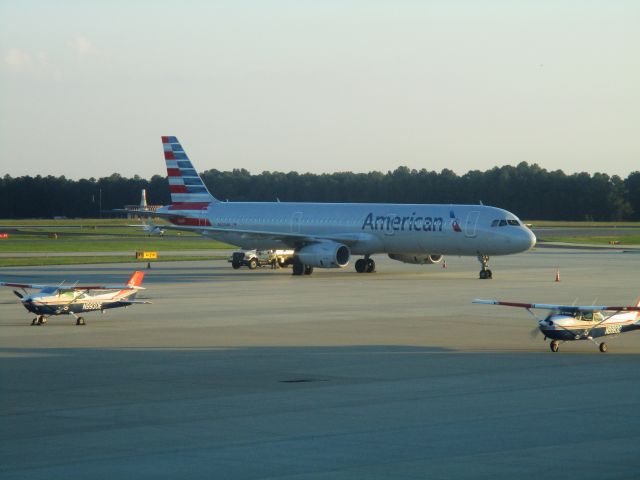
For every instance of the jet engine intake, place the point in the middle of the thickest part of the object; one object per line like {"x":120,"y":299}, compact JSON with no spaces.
{"x":418,"y":258}
{"x":325,"y":255}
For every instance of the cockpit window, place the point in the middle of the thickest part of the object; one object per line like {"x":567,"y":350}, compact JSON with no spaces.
{"x":504,"y":222}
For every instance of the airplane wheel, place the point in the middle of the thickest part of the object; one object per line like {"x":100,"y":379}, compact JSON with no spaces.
{"x":554,"y":346}
{"x":361,"y":265}
{"x":308,"y":269}
{"x":298,"y":268}
{"x":603,"y":347}
{"x":371,"y":265}
{"x":80,"y":321}
{"x":253,"y":264}
{"x":34,"y":321}
{"x":486,"y":274}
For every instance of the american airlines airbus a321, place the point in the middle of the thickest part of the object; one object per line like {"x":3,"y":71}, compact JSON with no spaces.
{"x":327,"y":235}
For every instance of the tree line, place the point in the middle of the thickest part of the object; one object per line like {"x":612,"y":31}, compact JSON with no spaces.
{"x":529,"y":191}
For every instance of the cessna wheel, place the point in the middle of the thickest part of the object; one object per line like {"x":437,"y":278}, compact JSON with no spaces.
{"x":80,"y":321}
{"x":34,"y":321}
{"x":554,"y":346}
{"x":603,"y":347}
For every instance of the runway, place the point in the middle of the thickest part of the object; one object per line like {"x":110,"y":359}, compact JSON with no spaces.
{"x":259,"y":374}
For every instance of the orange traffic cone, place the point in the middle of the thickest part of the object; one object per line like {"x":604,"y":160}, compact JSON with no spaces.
{"x":557,"y":275}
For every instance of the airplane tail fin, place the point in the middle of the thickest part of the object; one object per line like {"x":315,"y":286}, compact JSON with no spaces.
{"x":188,"y":191}
{"x":136,"y":279}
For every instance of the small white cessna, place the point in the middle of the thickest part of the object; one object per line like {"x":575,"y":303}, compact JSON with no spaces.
{"x":326,"y":235}
{"x":569,"y":322}
{"x":72,"y":299}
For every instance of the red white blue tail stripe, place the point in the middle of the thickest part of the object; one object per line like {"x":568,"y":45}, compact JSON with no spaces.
{"x":190,"y":198}
{"x":188,"y":191}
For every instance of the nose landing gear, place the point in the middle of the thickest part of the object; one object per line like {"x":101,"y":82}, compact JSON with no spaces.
{"x":485,"y":273}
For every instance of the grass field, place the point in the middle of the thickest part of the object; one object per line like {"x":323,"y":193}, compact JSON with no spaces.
{"x":101,"y":243}
{"x":93,"y":235}
{"x":604,"y":240}
{"x":560,"y":223}
{"x":89,"y":260}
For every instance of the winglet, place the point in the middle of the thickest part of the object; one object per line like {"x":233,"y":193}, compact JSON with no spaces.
{"x":136,"y":279}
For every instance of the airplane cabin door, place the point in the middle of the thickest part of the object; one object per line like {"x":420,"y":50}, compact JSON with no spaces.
{"x":296,"y":219}
{"x":471,"y":224}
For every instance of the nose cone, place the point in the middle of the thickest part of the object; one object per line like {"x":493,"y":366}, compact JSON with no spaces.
{"x":530,"y":239}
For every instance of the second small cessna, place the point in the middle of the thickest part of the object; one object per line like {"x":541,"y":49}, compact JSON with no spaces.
{"x":569,"y":322}
{"x":73,"y":299}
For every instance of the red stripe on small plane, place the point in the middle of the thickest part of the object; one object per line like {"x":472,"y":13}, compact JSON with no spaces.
{"x":178,"y":188}
{"x":173,"y":172}
{"x":169,"y":156}
{"x":191,"y":222}
{"x":189,"y":206}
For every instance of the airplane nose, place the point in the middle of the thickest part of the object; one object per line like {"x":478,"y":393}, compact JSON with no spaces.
{"x":531,"y":238}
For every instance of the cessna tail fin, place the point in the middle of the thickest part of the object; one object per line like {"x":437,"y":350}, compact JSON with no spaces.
{"x":188,"y":191}
{"x":136,"y":279}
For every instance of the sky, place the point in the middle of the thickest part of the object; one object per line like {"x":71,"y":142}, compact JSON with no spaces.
{"x":88,"y":88}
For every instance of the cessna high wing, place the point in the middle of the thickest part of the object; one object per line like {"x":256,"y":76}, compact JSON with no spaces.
{"x":73,"y":299}
{"x":566,"y":323}
{"x":327,"y":235}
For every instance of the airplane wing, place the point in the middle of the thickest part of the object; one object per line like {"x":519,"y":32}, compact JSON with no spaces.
{"x":24,"y":285}
{"x":136,"y":302}
{"x":288,"y":238}
{"x":69,"y":288}
{"x":566,"y":308}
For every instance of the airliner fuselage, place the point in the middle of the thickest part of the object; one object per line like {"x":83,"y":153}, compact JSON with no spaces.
{"x":371,"y":228}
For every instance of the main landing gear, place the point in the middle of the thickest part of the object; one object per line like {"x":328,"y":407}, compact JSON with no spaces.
{"x":555,"y":345}
{"x":39,"y":320}
{"x":79,"y":320}
{"x":300,"y":268}
{"x":365,"y":265}
{"x":485,"y":273}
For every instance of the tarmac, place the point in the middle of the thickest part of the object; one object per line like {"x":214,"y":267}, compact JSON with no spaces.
{"x":260,"y":374}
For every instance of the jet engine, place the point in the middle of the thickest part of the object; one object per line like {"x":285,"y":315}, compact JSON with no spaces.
{"x":419,"y":258}
{"x":325,"y":255}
